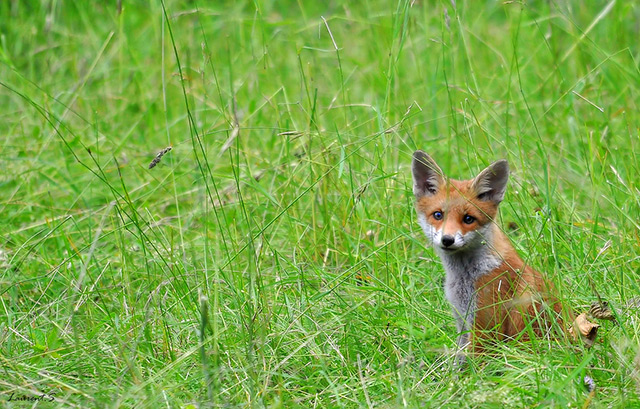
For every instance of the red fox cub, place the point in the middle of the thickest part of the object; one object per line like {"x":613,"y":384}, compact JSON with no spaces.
{"x":494,"y":295}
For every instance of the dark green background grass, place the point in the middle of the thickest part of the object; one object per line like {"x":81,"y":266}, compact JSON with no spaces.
{"x":272,"y":258}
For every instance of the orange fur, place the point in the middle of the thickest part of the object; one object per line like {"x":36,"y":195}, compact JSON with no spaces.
{"x":510,"y":296}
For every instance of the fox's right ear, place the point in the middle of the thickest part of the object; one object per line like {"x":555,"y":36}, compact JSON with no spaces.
{"x":427,"y":176}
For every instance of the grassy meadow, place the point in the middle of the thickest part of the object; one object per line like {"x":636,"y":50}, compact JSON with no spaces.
{"x":272,"y":257}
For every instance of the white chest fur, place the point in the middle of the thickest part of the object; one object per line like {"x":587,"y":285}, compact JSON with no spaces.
{"x":462,"y":271}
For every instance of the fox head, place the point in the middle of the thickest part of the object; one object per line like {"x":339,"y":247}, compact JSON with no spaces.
{"x":457,"y":215}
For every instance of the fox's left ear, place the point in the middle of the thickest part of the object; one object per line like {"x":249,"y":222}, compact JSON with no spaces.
{"x":491,"y":183}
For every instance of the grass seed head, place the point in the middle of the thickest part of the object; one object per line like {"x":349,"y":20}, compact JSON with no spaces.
{"x":159,"y":156}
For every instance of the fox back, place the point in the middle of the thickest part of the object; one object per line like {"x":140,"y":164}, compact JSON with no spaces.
{"x":492,"y":292}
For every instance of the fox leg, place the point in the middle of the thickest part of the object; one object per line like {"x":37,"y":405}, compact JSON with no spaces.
{"x":461,"y":295}
{"x":464,"y":325}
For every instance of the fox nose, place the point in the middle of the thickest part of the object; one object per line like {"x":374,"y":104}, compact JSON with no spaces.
{"x":447,"y":240}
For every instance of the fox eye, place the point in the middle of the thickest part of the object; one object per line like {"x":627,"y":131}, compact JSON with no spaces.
{"x":468,"y":219}
{"x":437,"y":215}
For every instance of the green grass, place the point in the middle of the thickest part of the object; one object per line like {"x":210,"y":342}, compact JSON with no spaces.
{"x":272,"y":258}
